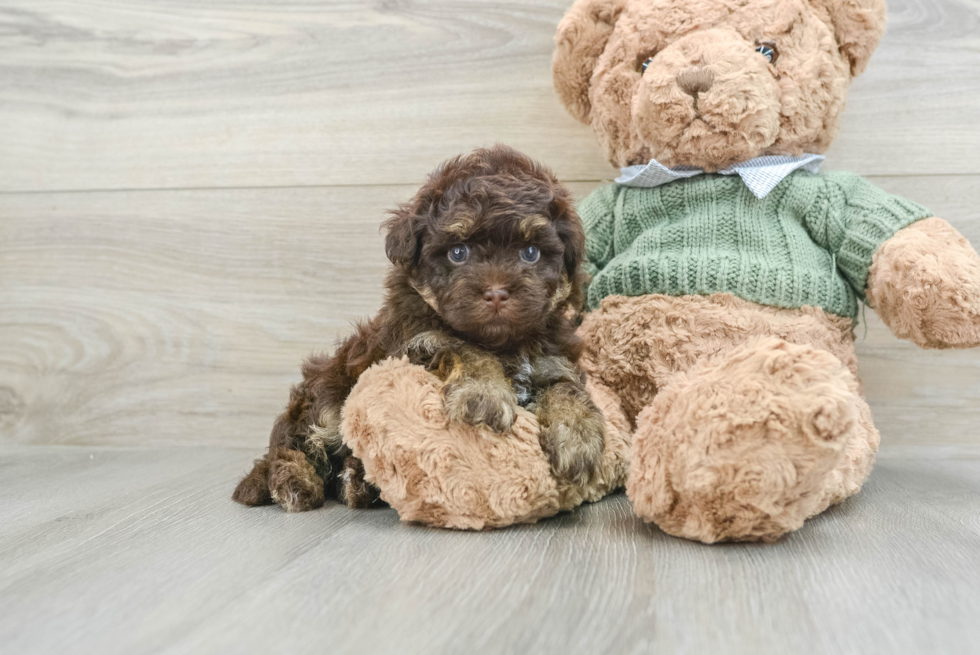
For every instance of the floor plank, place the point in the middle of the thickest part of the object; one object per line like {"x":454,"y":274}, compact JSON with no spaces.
{"x":230,"y":93}
{"x":124,"y":550}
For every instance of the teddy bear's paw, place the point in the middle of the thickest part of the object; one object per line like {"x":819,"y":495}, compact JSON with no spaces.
{"x":745,"y":447}
{"x":924,"y":283}
{"x":573,"y":433}
{"x":293,"y":482}
{"x":479,"y":401}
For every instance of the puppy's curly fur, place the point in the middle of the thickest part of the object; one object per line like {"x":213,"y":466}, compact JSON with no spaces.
{"x":485,"y":281}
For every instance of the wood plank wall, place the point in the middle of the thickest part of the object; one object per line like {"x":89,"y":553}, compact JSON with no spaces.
{"x":190,"y":192}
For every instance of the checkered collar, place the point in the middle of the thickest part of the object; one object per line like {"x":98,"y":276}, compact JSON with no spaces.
{"x":761,"y":174}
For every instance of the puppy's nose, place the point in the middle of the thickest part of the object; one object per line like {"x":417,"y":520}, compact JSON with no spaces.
{"x":496,"y":297}
{"x":695,"y":80}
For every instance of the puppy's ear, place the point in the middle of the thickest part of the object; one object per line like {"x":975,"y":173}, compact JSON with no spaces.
{"x":403,"y":242}
{"x":569,"y":227}
{"x":406,"y":224}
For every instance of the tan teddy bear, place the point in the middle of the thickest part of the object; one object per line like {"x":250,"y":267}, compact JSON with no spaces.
{"x":727,"y":274}
{"x":726,"y":271}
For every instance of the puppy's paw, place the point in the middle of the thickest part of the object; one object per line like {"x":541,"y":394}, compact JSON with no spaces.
{"x":294,"y":483}
{"x":476,"y":402}
{"x":430,"y":349}
{"x":352,"y":489}
{"x":573,"y":440}
{"x":422,"y":348}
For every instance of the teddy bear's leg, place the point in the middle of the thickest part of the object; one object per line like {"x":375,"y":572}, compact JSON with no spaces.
{"x":749,"y":444}
{"x":859,"y":456}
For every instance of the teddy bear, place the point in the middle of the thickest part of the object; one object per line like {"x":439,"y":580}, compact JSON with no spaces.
{"x":727,"y":271}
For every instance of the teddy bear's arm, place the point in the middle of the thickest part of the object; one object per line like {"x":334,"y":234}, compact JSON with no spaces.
{"x":851,"y":217}
{"x":924,"y":283}
{"x":918,"y":273}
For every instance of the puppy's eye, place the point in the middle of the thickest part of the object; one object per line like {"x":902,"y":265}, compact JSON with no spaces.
{"x":459,"y":253}
{"x":768,"y":50}
{"x":643,"y":62}
{"x":530,"y":254}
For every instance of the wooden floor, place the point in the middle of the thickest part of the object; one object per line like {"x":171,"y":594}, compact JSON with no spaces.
{"x":190,"y":195}
{"x":139,"y":551}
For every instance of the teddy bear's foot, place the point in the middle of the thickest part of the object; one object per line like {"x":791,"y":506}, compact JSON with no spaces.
{"x":293,"y":482}
{"x":748,"y":445}
{"x":447,"y":473}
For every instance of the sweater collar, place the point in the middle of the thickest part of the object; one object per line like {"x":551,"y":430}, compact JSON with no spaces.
{"x":761,"y":174}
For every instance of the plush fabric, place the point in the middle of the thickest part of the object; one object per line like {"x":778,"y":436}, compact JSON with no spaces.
{"x":749,"y":419}
{"x":453,"y":475}
{"x":751,"y":107}
{"x":745,"y":414}
{"x":810,"y":242}
{"x":747,"y":410}
{"x":925,"y":285}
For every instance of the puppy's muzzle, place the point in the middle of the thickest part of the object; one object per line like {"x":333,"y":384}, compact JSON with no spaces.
{"x":496,"y":298}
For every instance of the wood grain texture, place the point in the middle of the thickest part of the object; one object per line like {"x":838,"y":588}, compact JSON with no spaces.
{"x":124,"y":94}
{"x":177,"y":317}
{"x":181,"y":317}
{"x":128,"y":551}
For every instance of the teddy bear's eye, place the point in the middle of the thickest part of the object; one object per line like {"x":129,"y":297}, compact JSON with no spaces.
{"x":643,"y":60}
{"x":768,"y":50}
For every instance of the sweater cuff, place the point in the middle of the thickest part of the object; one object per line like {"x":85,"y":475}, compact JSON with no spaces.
{"x":871,"y":227}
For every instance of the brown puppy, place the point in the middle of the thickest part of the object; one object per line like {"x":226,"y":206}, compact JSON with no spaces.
{"x":486,"y":275}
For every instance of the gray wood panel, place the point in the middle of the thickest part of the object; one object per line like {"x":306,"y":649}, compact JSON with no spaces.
{"x":177,"y":317}
{"x":124,"y":551}
{"x":181,"y":316}
{"x":235,"y":93}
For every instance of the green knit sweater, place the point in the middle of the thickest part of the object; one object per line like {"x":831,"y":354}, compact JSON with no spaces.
{"x":809,"y":242}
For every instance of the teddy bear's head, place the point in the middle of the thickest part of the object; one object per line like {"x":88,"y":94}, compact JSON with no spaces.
{"x":708,"y":83}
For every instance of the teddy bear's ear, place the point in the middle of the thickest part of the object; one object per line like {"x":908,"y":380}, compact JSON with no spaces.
{"x":858,"y":25}
{"x":581,"y":38}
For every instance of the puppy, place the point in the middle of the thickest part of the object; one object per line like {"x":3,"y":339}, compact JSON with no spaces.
{"x":485,"y":281}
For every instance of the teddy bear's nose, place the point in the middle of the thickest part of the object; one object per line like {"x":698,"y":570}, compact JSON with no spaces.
{"x":695,"y":80}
